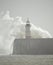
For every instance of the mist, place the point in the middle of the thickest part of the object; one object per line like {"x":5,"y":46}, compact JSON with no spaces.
{"x":14,"y":27}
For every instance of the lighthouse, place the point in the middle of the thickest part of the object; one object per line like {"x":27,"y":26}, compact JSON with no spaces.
{"x":27,"y":29}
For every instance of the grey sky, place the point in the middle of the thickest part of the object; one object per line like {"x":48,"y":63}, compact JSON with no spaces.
{"x":39,"y":11}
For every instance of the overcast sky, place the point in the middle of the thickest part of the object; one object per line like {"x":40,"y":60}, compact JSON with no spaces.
{"x":40,"y":12}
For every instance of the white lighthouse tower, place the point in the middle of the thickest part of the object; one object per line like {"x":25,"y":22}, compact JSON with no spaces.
{"x":27,"y":31}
